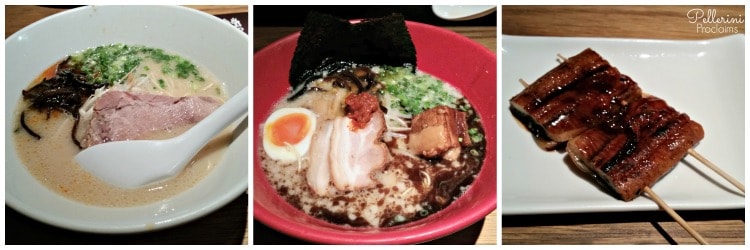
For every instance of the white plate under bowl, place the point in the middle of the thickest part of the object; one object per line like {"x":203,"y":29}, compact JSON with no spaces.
{"x":462,"y":12}
{"x":705,"y":79}
{"x":206,"y":40}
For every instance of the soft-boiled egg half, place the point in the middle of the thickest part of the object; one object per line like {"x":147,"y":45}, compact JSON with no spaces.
{"x":287,"y":133}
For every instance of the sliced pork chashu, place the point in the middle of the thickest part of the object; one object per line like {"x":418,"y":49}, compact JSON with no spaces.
{"x":121,"y":115}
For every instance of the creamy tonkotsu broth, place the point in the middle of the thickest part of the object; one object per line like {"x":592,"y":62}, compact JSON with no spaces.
{"x":50,"y":158}
{"x":407,"y":187}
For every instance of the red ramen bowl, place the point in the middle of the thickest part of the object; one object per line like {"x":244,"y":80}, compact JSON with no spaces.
{"x":457,"y":60}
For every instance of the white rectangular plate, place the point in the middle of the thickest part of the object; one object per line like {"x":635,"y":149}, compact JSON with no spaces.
{"x":704,"y":79}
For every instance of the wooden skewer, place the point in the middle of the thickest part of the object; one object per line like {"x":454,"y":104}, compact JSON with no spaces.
{"x":716,"y":169}
{"x":661,"y":202}
{"x":524,"y":83}
{"x":674,"y":215}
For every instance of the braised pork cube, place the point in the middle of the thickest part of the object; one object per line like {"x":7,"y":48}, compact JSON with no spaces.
{"x":439,"y":132}
{"x":581,"y":92}
{"x":648,"y":142}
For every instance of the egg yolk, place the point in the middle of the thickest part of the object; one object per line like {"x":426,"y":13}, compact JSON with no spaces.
{"x":290,"y":128}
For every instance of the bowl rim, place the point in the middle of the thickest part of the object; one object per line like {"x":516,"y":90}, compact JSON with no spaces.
{"x":178,"y":218}
{"x":419,"y":235}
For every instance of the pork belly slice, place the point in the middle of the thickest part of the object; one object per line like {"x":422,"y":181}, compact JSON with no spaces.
{"x":121,"y":115}
{"x":319,"y":173}
{"x":581,"y":92}
{"x":647,"y":144}
{"x":357,"y":153}
{"x":439,"y":132}
{"x":345,"y":156}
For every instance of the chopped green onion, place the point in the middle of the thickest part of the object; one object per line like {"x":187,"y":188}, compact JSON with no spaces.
{"x":109,"y":64}
{"x":415,"y":93}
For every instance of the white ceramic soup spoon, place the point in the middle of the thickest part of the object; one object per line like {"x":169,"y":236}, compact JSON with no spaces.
{"x":135,"y":163}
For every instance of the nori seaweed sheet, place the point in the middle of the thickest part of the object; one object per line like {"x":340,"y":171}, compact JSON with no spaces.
{"x":328,"y":43}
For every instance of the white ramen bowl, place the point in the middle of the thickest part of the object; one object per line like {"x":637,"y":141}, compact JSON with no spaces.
{"x":206,"y":40}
